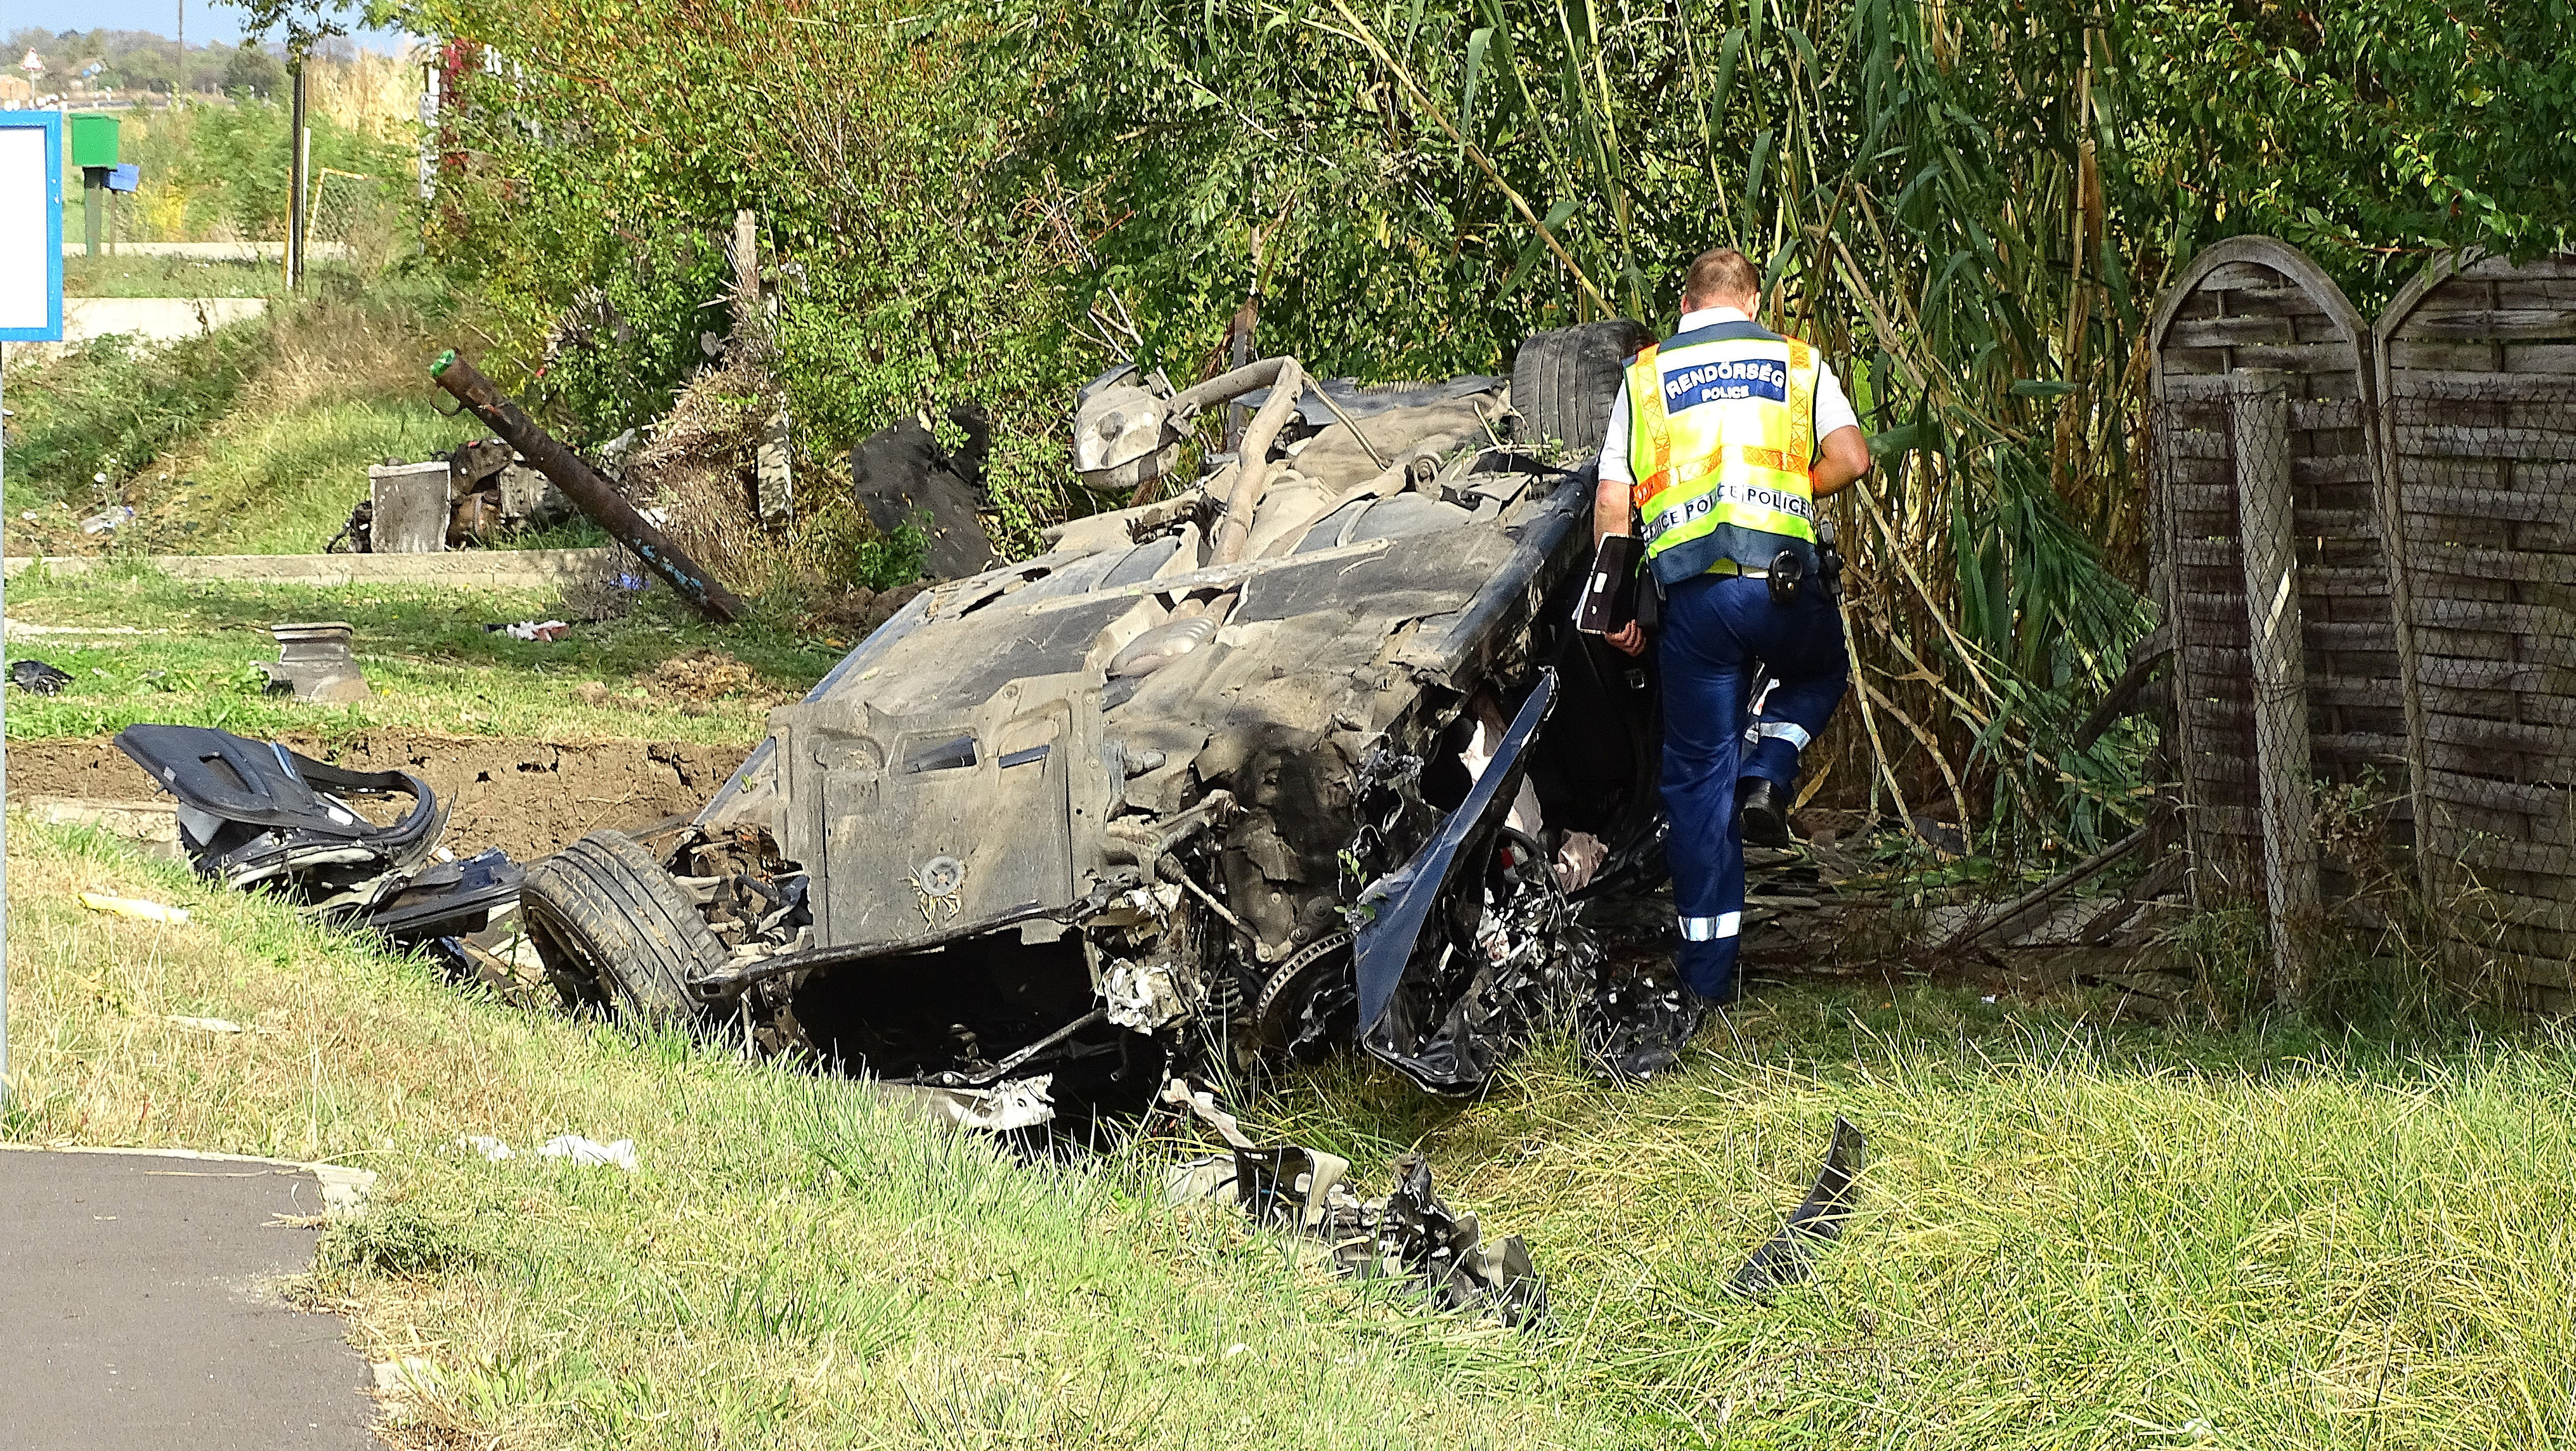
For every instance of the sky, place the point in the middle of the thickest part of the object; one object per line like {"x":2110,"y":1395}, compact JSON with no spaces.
{"x":207,"y":21}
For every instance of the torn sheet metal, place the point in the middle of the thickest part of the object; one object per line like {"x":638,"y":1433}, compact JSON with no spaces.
{"x":1410,"y":1234}
{"x":1469,"y":937}
{"x":1788,"y":1256}
{"x":1021,"y":1103}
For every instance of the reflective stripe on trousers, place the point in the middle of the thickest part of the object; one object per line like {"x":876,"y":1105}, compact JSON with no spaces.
{"x":1710,"y":929}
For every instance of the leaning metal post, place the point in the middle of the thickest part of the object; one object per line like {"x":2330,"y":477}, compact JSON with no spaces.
{"x":590,"y":493}
{"x":2259,"y":416}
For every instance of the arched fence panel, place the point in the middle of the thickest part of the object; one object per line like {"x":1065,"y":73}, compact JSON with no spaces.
{"x":2264,"y":480}
{"x":2477,"y":366}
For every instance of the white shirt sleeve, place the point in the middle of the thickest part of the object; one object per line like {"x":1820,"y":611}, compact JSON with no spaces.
{"x":1614,"y":444}
{"x":1833,"y":410}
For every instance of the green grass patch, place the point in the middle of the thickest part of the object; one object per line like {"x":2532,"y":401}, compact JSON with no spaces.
{"x":794,"y":1265}
{"x":113,"y":408}
{"x":137,"y":275}
{"x":2072,"y":1232}
{"x":254,"y":438}
{"x":425,"y":650}
{"x":284,"y":483}
{"x":2069,"y":1235}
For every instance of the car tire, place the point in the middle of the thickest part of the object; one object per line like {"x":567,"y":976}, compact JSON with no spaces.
{"x":1564,"y":380}
{"x":615,"y":930}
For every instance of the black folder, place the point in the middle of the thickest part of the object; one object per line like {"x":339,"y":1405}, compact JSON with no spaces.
{"x":1609,"y":599}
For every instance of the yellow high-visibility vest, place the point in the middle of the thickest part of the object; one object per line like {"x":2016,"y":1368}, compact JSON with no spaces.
{"x":1722,"y":432}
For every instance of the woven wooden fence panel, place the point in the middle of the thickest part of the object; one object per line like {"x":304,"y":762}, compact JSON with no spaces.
{"x":2252,"y":302}
{"x":2477,"y":364}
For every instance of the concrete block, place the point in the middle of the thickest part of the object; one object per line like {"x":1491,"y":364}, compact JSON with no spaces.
{"x":411,"y":506}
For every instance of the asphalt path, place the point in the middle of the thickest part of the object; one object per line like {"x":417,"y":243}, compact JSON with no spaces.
{"x":139,"y":1309}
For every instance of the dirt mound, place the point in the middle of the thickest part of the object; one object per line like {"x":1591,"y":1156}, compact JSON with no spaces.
{"x":529,"y":798}
{"x":700,"y":675}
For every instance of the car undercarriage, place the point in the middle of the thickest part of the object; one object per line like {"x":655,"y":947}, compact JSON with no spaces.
{"x":1299,"y":754}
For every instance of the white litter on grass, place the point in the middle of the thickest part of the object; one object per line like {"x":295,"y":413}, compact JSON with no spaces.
{"x":486,"y":1145}
{"x":132,"y":907}
{"x":589,"y":1152}
{"x":205,"y":1025}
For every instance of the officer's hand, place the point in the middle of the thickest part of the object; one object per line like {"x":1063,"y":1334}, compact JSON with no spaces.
{"x":1629,"y":638}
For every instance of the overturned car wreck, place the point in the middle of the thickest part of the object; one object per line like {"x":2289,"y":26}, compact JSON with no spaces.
{"x":1301,"y":754}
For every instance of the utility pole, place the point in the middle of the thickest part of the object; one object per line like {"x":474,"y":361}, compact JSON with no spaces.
{"x":295,"y":180}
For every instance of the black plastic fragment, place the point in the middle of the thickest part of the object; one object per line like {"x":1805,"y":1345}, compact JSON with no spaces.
{"x":1787,"y":1257}
{"x":38,"y":678}
{"x":1635,"y":1025}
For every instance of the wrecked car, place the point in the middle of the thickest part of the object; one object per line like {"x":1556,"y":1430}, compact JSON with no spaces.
{"x":1299,"y":752}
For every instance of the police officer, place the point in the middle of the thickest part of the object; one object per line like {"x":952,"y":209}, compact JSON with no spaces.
{"x":1721,"y":442}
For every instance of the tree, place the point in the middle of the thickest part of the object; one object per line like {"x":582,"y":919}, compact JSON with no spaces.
{"x":253,"y":71}
{"x":146,"y":69}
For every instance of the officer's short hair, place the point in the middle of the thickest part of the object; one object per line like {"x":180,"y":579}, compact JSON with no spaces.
{"x":1720,"y":272}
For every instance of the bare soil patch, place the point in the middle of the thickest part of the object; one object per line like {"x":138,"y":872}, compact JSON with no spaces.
{"x":529,"y":798}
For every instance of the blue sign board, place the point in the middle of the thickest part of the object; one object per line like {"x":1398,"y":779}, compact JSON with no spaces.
{"x":124,"y":178}
{"x":31,"y":226}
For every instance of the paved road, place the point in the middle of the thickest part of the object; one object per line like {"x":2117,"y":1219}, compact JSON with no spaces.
{"x":137,"y":1310}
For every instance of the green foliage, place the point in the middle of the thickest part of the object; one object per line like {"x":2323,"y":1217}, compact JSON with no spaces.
{"x":251,"y":72}
{"x":2363,"y":133}
{"x":218,"y":168}
{"x":620,"y":352}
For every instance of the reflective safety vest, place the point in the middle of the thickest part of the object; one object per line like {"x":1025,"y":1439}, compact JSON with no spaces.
{"x":1721,"y":433}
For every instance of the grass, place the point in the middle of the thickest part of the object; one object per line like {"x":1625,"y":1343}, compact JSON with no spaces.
{"x":285,"y":483}
{"x":2070,"y":1236}
{"x":2074,"y":1231}
{"x":135,"y":275}
{"x":432,"y":664}
{"x":253,"y":439}
{"x":794,"y":1266}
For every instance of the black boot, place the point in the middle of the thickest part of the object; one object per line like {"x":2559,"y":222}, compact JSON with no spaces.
{"x":1766,"y":816}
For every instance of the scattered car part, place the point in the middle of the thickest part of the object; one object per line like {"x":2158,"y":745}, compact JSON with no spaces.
{"x":255,"y":814}
{"x":590,"y":493}
{"x":1788,"y":1256}
{"x":315,"y":663}
{"x":411,"y":505}
{"x":1410,"y":1234}
{"x":36,"y":677}
{"x":1474,"y":983}
{"x":1635,"y":1025}
{"x":357,"y":533}
{"x":901,"y":475}
{"x":615,"y":929}
{"x":448,"y":899}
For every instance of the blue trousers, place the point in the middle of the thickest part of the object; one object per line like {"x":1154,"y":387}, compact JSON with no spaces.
{"x":1717,"y":630}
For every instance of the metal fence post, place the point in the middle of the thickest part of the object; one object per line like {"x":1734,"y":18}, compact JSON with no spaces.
{"x":2259,"y":416}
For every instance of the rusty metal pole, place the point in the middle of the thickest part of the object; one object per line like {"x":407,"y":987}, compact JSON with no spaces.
{"x":582,"y":484}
